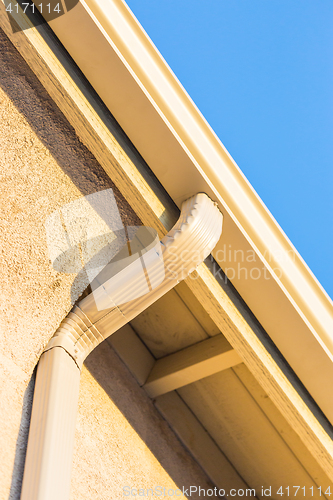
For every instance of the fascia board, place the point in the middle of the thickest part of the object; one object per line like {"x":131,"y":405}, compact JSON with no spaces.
{"x":138,"y":87}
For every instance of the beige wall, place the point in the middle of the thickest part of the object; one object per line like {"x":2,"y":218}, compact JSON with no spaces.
{"x":120,"y":438}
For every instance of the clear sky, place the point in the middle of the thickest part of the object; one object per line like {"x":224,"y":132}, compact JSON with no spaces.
{"x":261,"y":72}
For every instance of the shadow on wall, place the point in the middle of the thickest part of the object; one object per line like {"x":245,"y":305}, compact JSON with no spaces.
{"x":50,"y":126}
{"x":22,"y":441}
{"x":74,"y":159}
{"x":58,"y":136}
{"x":139,"y":411}
{"x":53,"y":130}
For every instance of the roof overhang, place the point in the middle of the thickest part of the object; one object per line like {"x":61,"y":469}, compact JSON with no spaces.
{"x":224,"y":309}
{"x":158,"y":116}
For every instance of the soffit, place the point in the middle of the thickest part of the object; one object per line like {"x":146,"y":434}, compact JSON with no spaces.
{"x":238,"y":415}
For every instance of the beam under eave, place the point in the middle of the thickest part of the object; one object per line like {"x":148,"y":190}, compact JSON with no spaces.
{"x":190,"y":365}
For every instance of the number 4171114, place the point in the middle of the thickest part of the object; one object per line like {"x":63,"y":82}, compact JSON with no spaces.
{"x":47,"y":8}
{"x":292,"y":491}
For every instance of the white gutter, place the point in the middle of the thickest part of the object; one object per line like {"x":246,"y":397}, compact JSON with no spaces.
{"x":133,"y":80}
{"x":51,"y":436}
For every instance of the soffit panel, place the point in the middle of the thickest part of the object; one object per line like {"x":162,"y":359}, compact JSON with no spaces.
{"x":168,"y":326}
{"x":245,"y":434}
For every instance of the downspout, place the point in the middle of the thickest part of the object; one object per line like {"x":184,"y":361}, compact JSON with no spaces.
{"x":47,"y":471}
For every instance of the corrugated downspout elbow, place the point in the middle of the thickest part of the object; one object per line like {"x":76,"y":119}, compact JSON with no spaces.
{"x":115,"y":301}
{"x":189,"y":242}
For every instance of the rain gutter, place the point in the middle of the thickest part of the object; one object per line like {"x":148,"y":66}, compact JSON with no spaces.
{"x":113,"y":303}
{"x":120,"y":61}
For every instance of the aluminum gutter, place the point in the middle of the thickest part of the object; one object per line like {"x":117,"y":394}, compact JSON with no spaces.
{"x":133,"y":80}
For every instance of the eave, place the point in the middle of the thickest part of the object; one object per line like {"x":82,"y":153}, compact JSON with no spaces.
{"x":144,"y":96}
{"x":98,"y":131}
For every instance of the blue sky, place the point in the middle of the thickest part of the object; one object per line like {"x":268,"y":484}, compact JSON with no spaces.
{"x":261,"y":72}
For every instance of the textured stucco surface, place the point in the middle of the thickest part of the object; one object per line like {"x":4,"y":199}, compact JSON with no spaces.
{"x":120,"y":436}
{"x":133,"y":446}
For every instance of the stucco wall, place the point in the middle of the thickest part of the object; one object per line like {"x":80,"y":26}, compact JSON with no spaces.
{"x":120,"y":439}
